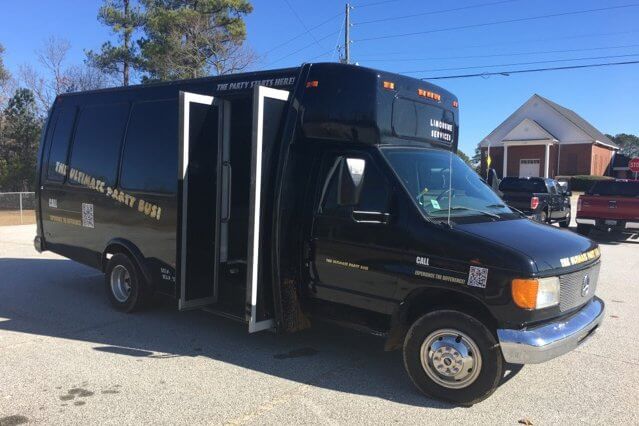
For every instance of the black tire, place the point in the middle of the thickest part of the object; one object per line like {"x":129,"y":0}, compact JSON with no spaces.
{"x":543,"y":216}
{"x":566,"y":222}
{"x":122,"y":269}
{"x":583,"y":229}
{"x":492,"y":362}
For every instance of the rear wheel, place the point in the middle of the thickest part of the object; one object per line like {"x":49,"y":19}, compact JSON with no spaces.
{"x":124,"y":284}
{"x":452,"y":356}
{"x":583,"y":229}
{"x":543,"y":217}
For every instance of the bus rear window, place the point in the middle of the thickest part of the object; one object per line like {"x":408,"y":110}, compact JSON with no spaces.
{"x":616,"y":188}
{"x":418,"y":120}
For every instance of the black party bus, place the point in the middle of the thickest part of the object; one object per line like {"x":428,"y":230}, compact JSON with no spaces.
{"x":325,"y":192}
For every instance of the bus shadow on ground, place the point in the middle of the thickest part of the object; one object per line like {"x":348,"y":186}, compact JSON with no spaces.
{"x":61,"y":298}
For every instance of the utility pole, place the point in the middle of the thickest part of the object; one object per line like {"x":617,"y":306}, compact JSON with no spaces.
{"x":347,"y":35}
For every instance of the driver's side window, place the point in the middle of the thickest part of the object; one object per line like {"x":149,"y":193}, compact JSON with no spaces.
{"x":374,"y":192}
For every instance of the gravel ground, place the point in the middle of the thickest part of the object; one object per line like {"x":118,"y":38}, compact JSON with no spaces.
{"x":67,"y":358}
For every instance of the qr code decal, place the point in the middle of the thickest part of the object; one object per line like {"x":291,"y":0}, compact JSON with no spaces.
{"x":87,"y":215}
{"x":477,"y":277}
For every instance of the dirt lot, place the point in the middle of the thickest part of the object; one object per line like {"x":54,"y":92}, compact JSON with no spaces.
{"x":12,"y":217}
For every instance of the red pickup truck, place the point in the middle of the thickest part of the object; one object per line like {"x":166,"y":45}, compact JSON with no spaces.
{"x":610,"y":206}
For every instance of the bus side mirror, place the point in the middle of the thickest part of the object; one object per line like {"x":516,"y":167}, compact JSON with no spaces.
{"x":351,"y":180}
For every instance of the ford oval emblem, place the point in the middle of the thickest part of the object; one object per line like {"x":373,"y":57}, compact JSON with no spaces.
{"x":585,"y":285}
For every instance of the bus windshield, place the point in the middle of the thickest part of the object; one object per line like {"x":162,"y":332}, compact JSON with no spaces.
{"x":442,"y":184}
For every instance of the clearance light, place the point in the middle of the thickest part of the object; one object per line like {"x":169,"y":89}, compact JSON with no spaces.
{"x":535,"y":293}
{"x":430,"y":95}
{"x":455,"y":104}
{"x":313,"y":83}
{"x":389,"y":85}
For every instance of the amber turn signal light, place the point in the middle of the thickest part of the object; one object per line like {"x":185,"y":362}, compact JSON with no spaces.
{"x":524,"y":292}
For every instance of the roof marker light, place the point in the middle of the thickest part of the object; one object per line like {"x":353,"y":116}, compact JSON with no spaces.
{"x":455,"y":104}
{"x":389,"y":85}
{"x":428,"y":94}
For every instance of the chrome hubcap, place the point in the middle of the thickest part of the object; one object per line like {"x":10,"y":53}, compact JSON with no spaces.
{"x":120,"y":283}
{"x":451,"y":358}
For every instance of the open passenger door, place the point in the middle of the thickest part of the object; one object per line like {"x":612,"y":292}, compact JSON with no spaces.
{"x":269,"y":109}
{"x":203,"y":136}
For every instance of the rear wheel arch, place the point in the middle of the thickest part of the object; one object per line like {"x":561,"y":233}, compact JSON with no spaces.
{"x":120,"y":245}
{"x":429,"y":299}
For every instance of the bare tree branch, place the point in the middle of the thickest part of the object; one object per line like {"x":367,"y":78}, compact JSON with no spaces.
{"x":53,"y":77}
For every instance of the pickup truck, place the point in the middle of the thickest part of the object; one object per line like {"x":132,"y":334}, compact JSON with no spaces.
{"x":609,"y":206}
{"x":538,"y":198}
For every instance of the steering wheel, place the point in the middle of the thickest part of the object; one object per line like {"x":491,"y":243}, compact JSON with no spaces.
{"x":449,"y":190}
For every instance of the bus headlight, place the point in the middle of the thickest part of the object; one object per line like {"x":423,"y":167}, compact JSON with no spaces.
{"x":535,"y":293}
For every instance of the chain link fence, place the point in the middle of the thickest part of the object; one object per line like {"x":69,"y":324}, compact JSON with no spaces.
{"x":17,"y":208}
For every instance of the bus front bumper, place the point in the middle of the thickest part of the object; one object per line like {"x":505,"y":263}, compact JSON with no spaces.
{"x":547,"y":341}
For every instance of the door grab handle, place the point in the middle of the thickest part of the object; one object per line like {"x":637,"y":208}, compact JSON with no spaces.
{"x":370,"y":217}
{"x":226,"y":179}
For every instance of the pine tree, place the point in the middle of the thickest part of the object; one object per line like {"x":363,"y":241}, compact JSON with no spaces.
{"x":124,"y":21}
{"x":19,"y":140}
{"x":194,"y":38}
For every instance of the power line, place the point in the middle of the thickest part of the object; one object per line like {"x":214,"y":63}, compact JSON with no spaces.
{"x":302,"y":48}
{"x":505,"y":43}
{"x":539,"y":52}
{"x":303,"y":24}
{"x":336,"y":42}
{"x":519,"y":63}
{"x":303,"y":33}
{"x":377,"y":3}
{"x":507,"y":21}
{"x":434,"y":12}
{"x":508,"y":73}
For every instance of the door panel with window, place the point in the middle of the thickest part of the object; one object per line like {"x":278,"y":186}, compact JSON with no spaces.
{"x":353,"y":230}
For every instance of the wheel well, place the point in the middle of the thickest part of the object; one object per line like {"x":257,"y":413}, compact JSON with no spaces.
{"x":111,"y":250}
{"x":132,"y":252}
{"x":429,"y":300}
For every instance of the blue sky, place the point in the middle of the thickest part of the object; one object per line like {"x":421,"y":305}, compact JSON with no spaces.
{"x":607,"y":97}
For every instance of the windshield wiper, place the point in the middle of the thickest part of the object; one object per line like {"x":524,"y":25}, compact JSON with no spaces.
{"x":476,"y":210}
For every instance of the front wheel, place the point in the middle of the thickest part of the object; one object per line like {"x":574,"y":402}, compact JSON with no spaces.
{"x":452,"y":356}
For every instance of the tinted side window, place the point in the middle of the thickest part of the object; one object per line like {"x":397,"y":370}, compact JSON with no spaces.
{"x":150,"y":152}
{"x":374,"y":196}
{"x":60,"y":143}
{"x":329,"y":190}
{"x":375,"y":192}
{"x":98,"y":137}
